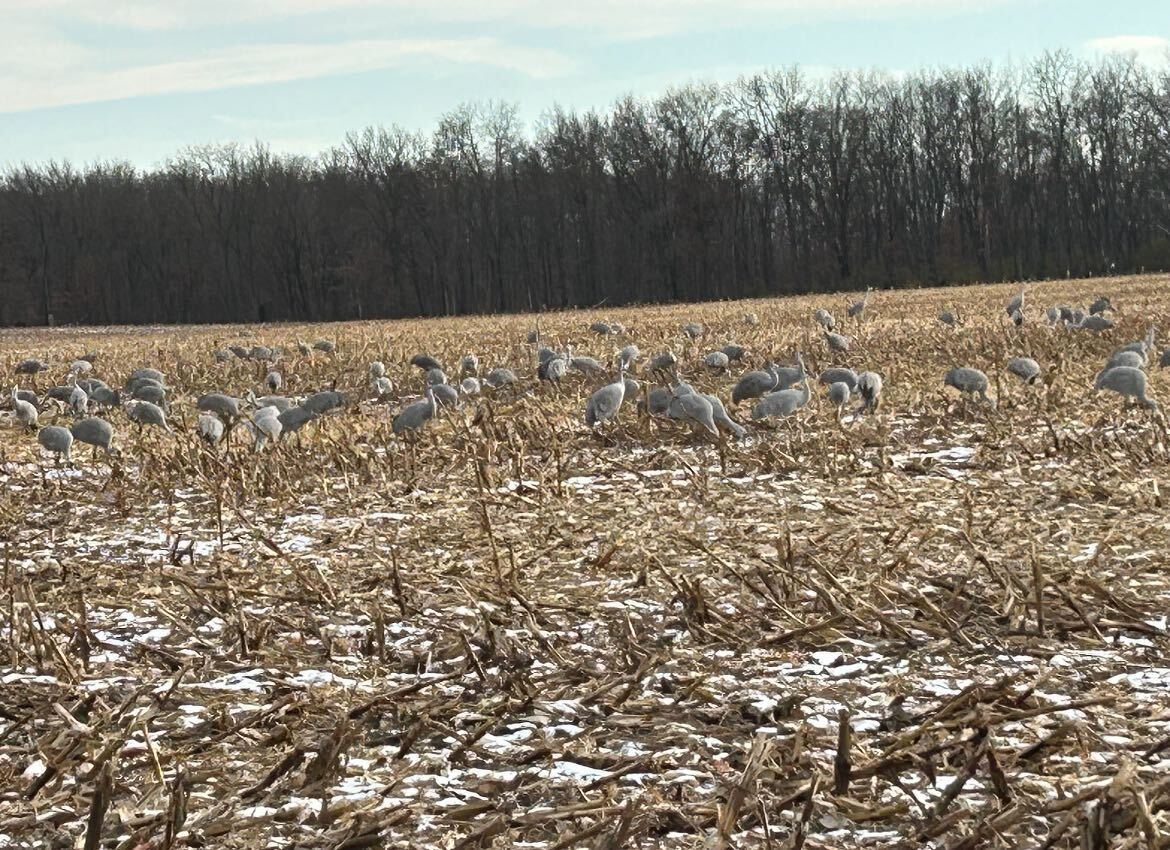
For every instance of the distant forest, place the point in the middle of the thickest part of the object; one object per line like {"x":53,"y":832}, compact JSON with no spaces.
{"x":774,"y":184}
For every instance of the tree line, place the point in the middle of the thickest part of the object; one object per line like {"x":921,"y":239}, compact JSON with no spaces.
{"x":774,"y":184}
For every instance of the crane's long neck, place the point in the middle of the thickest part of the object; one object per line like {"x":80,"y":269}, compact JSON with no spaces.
{"x":431,"y":399}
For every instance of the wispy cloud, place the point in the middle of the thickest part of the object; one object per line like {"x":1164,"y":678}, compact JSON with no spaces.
{"x":1149,"y":49}
{"x":269,"y":63}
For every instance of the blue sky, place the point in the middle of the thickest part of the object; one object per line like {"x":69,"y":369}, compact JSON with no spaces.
{"x":137,"y":80}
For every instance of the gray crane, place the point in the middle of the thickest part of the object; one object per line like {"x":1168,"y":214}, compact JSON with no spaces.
{"x":656,"y":403}
{"x":1100,"y":306}
{"x":281,"y":403}
{"x":80,"y":367}
{"x":1125,"y":357}
{"x":469,"y":366}
{"x":1053,"y":314}
{"x":94,"y":432}
{"x":946,"y":317}
{"x":377,"y":370}
{"x":291,"y":420}
{"x":839,"y":375}
{"x":722,"y":421}
{"x":260,"y":353}
{"x":469,"y":386}
{"x":1024,"y":368}
{"x":273,"y":381}
{"x":601,"y":328}
{"x":382,"y":386}
{"x":147,"y":390}
{"x":31,"y":366}
{"x":857,"y":308}
{"x":735,"y":353}
{"x":304,"y":349}
{"x":435,"y":377}
{"x":210,"y":428}
{"x":57,"y":440}
{"x":751,"y":319}
{"x":663,"y":362}
{"x":755,"y":383}
{"x":717,"y":362}
{"x":603,"y":405}
{"x":1127,"y":382}
{"x":1016,"y":305}
{"x":146,"y":373}
{"x":416,"y":414}
{"x":1164,"y":360}
{"x":146,"y":413}
{"x":78,"y":399}
{"x":869,"y":387}
{"x":630,"y":354}
{"x":222,"y":355}
{"x":784,"y":402}
{"x":825,"y":319}
{"x":224,"y":405}
{"x":970,"y":382}
{"x":837,"y":342}
{"x":617,"y":328}
{"x":1096,"y":324}
{"x":1017,"y":318}
{"x":686,"y":405}
{"x":26,"y":413}
{"x":1143,"y":346}
{"x":586,"y":366}
{"x":324,"y":401}
{"x":555,"y":368}
{"x":500,"y":377}
{"x":446,"y":395}
{"x":839,"y":394}
{"x":241,"y":352}
{"x":103,"y":396}
{"x":426,"y":362}
{"x":325,"y":345}
{"x":693,"y":329}
{"x":266,"y":424}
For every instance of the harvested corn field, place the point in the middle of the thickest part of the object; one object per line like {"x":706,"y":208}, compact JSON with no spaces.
{"x":933,"y":621}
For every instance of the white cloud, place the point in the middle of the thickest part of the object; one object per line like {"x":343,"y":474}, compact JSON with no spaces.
{"x":268,"y":63}
{"x":1149,"y":49}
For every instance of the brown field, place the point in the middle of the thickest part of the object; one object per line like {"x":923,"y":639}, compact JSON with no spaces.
{"x":940,"y":625}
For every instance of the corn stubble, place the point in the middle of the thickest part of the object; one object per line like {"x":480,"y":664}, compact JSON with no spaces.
{"x":937,"y":623}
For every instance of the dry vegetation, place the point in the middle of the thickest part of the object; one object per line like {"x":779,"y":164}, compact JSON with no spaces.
{"x":938,"y":626}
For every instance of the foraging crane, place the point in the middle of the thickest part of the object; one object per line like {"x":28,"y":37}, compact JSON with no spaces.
{"x":273,"y":381}
{"x":693,"y":329}
{"x":603,"y":405}
{"x":1164,"y":360}
{"x":222,"y":355}
{"x":446,"y":395}
{"x":325,"y":346}
{"x":825,"y":319}
{"x":946,"y":317}
{"x":78,"y":398}
{"x":26,"y":413}
{"x":970,"y":382}
{"x":1053,"y":314}
{"x":80,"y":367}
{"x":377,"y":370}
{"x":601,"y":328}
{"x":857,"y":308}
{"x":148,"y":390}
{"x":1100,"y":306}
{"x":1024,"y":368}
{"x":94,"y":432}
{"x":224,"y":405}
{"x":146,"y":413}
{"x":837,"y":342}
{"x":630,"y":354}
{"x":1096,"y":324}
{"x":1017,"y":318}
{"x":688,"y":406}
{"x":617,"y":328}
{"x":1134,"y":359}
{"x":281,"y":403}
{"x":324,"y":401}
{"x":469,"y":366}
{"x":663,"y":362}
{"x":751,"y":319}
{"x":586,"y":366}
{"x":500,"y":377}
{"x":734,"y":352}
{"x":382,"y":386}
{"x":291,"y":420}
{"x":784,"y":402}
{"x":57,"y":440}
{"x":1016,"y":305}
{"x":416,"y":414}
{"x":717,"y":362}
{"x":261,"y":353}
{"x":304,"y":350}
{"x":722,"y":420}
{"x":869,"y":387}
{"x":210,"y":428}
{"x":266,"y":424}
{"x":31,"y":366}
{"x":755,"y":383}
{"x":1143,"y":346}
{"x":556,"y":367}
{"x":839,"y":374}
{"x":435,"y":377}
{"x":426,"y":362}
{"x":469,"y":386}
{"x":1127,"y":382}
{"x":839,"y":394}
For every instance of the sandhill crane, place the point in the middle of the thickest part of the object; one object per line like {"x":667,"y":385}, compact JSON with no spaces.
{"x":57,"y":440}
{"x":630,"y":354}
{"x":261,"y":353}
{"x":1052,"y":314}
{"x":857,"y":308}
{"x":469,"y":366}
{"x":734,"y":352}
{"x":241,"y":352}
{"x":632,"y":389}
{"x":324,"y":401}
{"x":31,"y":366}
{"x":869,"y":387}
{"x":145,"y":413}
{"x":663,"y":362}
{"x":446,"y":395}
{"x":617,"y":328}
{"x":80,"y":367}
{"x":224,"y":405}
{"x":222,"y":355}
{"x":839,"y":394}
{"x":784,"y":402}
{"x":543,"y":355}
{"x":946,"y":317}
{"x":377,"y":370}
{"x":209,"y":427}
{"x":586,"y":366}
{"x":78,"y":399}
{"x":555,"y":368}
{"x":839,"y":374}
{"x":281,"y":403}
{"x":601,"y":328}
{"x":1127,"y":382}
{"x":1100,"y":306}
{"x":26,"y":413}
{"x":825,"y":319}
{"x":267,"y":424}
{"x":1164,"y":360}
{"x":693,"y":329}
{"x":148,"y":374}
{"x":751,"y":319}
{"x":718,"y":362}
{"x":273,"y":381}
{"x":722,"y":421}
{"x":837,"y":342}
{"x":325,"y":345}
{"x":500,"y":377}
{"x":148,"y":390}
{"x":382,"y":386}
{"x":1125,"y":357}
{"x":416,"y":414}
{"x":426,"y":362}
{"x":970,"y":382}
{"x":755,"y":383}
{"x":1096,"y":324}
{"x":603,"y":405}
{"x":94,"y":432}
{"x":1016,"y":305}
{"x":688,"y":406}
{"x":434,"y":377}
{"x":304,"y":349}
{"x":656,"y":403}
{"x":1017,"y":318}
{"x":469,"y":386}
{"x":29,"y":396}
{"x":1143,"y":346}
{"x":1024,"y":368}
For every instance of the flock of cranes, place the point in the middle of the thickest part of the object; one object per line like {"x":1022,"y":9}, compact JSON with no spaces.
{"x":773,"y":391}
